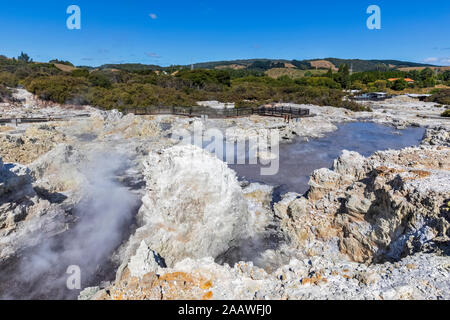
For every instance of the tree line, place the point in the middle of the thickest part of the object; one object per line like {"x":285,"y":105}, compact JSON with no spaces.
{"x":137,"y":87}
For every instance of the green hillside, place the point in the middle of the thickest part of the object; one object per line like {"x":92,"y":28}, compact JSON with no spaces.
{"x":358,"y":64}
{"x":267,"y":64}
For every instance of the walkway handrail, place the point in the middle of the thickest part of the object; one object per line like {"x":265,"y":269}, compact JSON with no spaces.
{"x":218,"y":113}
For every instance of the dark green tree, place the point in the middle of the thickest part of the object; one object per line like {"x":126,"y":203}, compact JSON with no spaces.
{"x":429,"y":83}
{"x":343,"y":76}
{"x":24,"y":58}
{"x":67,"y":63}
{"x":100,"y":80}
{"x":344,"y":69}
{"x":399,"y":85}
{"x":426,"y":73}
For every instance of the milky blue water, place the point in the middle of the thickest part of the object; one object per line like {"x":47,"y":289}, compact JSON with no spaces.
{"x":299,"y":159}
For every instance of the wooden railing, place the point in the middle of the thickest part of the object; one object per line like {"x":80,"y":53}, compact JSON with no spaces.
{"x":287,"y":112}
{"x":16,"y":121}
{"x":220,"y":113}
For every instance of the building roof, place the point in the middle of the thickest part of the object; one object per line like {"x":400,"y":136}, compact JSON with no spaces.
{"x":406,"y":79}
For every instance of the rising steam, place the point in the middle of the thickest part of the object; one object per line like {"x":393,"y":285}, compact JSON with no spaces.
{"x":106,"y":210}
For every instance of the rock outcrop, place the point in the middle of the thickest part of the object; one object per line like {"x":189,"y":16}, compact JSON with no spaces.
{"x":383,"y":207}
{"x":25,"y":218}
{"x":193,"y":207}
{"x":59,"y":169}
{"x":29,"y":146}
{"x":437,"y":137}
{"x":416,"y":277}
{"x":144,"y":261}
{"x":113,"y":123}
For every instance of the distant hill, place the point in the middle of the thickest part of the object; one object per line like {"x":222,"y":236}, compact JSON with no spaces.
{"x":264,"y":65}
{"x":131,"y":67}
{"x":373,"y":65}
{"x":334,"y":63}
{"x":268,"y":64}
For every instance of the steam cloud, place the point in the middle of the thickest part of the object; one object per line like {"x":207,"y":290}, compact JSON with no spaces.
{"x":105,"y":211}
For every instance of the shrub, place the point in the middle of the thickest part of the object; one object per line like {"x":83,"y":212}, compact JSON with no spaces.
{"x":441,"y":96}
{"x":201,"y":77}
{"x":9,"y":79}
{"x":60,"y":89}
{"x":247,"y":104}
{"x":5,"y":93}
{"x":319,"y":82}
{"x":137,"y":95}
{"x":357,"y":85}
{"x":380,"y":85}
{"x":80,"y":73}
{"x":446,"y":113}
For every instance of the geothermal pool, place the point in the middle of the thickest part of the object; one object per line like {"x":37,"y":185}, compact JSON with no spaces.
{"x":300,"y":158}
{"x":46,"y":279}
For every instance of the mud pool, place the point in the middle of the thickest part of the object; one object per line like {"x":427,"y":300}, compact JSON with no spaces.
{"x":299,"y":159}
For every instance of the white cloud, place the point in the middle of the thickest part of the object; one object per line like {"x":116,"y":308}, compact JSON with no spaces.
{"x":152,"y":55}
{"x":153,"y":16}
{"x":438,"y":61}
{"x":431,"y":59}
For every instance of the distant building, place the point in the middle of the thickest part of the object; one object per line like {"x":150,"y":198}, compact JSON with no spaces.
{"x":216,"y":104}
{"x":421,"y":97}
{"x":406,"y":79}
{"x":372,"y":96}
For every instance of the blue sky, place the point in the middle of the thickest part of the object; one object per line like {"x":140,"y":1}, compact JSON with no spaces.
{"x":182,"y":32}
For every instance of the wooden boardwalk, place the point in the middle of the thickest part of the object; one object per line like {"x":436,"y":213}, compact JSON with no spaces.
{"x":286,"y":112}
{"x":16,"y":121}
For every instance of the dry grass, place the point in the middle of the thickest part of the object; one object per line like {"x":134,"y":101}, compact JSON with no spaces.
{"x":421,"y":68}
{"x":323,"y":64}
{"x":64,"y":67}
{"x":292,"y":73}
{"x":418,"y":90}
{"x":231,"y":66}
{"x":289,"y":65}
